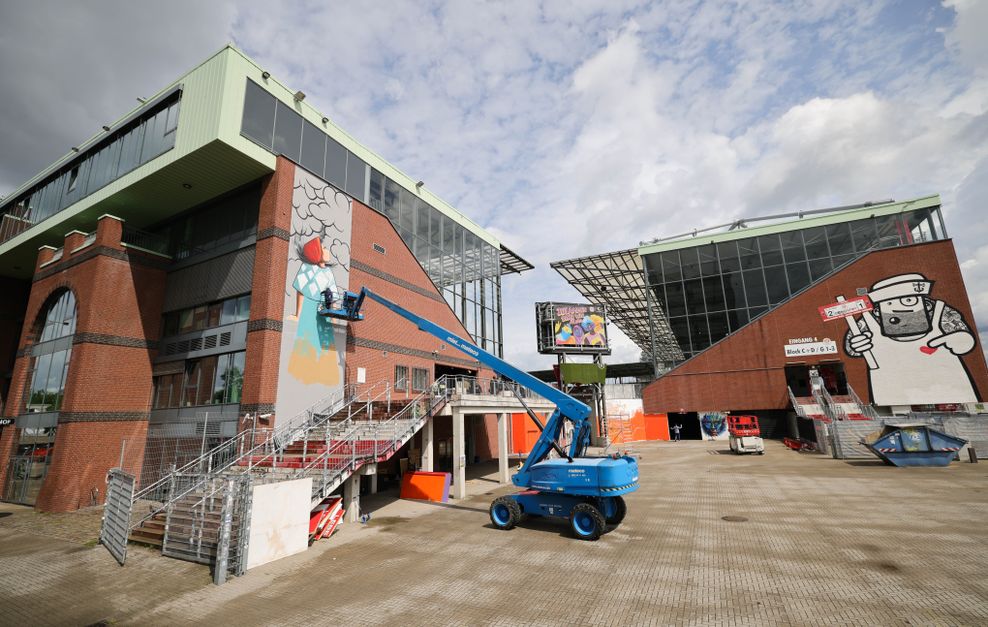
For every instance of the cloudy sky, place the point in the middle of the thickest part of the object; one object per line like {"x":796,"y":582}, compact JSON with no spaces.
{"x":566,"y":127}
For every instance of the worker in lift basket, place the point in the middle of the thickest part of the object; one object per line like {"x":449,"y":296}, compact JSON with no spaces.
{"x":915,"y":342}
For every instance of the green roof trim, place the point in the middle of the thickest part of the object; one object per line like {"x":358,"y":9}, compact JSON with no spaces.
{"x":797,"y":223}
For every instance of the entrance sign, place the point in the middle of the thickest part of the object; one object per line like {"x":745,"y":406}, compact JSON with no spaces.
{"x":804,"y":347}
{"x":845,"y":308}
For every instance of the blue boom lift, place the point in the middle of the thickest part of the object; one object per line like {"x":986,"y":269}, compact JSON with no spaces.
{"x":585,"y":490}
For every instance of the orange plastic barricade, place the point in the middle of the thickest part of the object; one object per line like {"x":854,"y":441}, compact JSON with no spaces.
{"x":426,"y":486}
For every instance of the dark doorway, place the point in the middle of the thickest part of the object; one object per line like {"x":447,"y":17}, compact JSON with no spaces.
{"x":442,"y":370}
{"x":690,"y":424}
{"x":832,"y":373}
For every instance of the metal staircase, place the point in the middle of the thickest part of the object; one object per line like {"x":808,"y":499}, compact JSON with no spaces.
{"x":200,"y":512}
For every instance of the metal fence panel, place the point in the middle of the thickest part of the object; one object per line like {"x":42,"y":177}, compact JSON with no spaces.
{"x":116,"y":514}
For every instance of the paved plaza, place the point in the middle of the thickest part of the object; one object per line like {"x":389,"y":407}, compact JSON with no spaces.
{"x":808,"y":540}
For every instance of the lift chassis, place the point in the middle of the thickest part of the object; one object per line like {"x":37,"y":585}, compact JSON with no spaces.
{"x":587,"y":491}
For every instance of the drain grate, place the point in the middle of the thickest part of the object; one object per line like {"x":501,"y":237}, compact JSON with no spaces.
{"x":734,"y":518}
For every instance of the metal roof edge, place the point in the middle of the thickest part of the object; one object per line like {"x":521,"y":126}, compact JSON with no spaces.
{"x":810,"y":221}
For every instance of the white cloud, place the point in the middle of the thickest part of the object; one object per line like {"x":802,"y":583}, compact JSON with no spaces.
{"x":580,"y":127}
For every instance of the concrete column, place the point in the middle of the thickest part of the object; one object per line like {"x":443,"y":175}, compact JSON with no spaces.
{"x":373,"y":483}
{"x":502,"y":448}
{"x":428,"y":452}
{"x":459,"y":456}
{"x":351,"y":497}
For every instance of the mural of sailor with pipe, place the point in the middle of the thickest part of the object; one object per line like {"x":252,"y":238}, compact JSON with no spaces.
{"x":912,"y":343}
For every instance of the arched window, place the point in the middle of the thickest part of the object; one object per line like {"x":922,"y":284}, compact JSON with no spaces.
{"x":52,"y":352}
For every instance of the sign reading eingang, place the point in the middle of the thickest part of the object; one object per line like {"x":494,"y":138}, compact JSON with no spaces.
{"x":571,"y":328}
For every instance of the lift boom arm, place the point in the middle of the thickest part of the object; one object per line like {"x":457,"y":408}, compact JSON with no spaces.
{"x":567,"y":407}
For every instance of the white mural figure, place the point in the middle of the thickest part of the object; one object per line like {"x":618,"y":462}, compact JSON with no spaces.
{"x":916,"y":342}
{"x":313,"y":347}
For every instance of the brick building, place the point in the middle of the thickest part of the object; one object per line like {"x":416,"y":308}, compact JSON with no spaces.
{"x":743,"y":318}
{"x":161,"y":282}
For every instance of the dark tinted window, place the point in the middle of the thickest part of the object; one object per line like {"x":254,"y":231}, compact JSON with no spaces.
{"x":864,"y":235}
{"x":694,"y":296}
{"x":376,"y":198}
{"x":728,"y":253}
{"x":335,"y":171}
{"x":816,"y":243}
{"x":691,"y":263}
{"x":675,"y":299}
{"x":313,"y":148}
{"x":737,"y":318}
{"x":839,"y":237}
{"x":713,"y":293}
{"x":792,"y":246}
{"x":775,"y":280}
{"x":819,"y":268}
{"x":287,"y":132}
{"x":708,"y":260}
{"x":699,"y":334}
{"x":258,"y":121}
{"x":671,"y":268}
{"x":748,"y":249}
{"x":356,"y":176}
{"x":888,"y":231}
{"x":799,"y":276}
{"x":718,"y":326}
{"x":653,"y":269}
{"x":771,"y":249}
{"x":754,"y":288}
{"x":733,"y":290}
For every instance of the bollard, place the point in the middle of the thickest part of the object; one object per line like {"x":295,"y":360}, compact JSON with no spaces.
{"x":972,"y":455}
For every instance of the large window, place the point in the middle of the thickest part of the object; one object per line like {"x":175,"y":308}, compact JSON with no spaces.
{"x":51,"y":354}
{"x":420,"y":379}
{"x":212,"y":380}
{"x":127,"y":147}
{"x":710,"y":291}
{"x":401,"y":378}
{"x":236,"y":309}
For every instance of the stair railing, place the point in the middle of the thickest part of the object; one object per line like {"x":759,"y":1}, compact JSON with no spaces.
{"x":344,"y":455}
{"x":866,"y":409}
{"x":795,"y":404}
{"x":242,"y":446}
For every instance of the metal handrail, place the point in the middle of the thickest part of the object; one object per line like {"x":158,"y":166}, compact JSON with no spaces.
{"x":867,"y":409}
{"x":437,"y":394}
{"x":795,"y":404}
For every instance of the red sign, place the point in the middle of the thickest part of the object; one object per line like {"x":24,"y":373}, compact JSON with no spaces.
{"x":845,"y":308}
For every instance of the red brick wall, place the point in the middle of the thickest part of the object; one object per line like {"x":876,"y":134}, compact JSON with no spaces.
{"x":381,"y":325}
{"x":268,"y":291}
{"x":747,"y":370}
{"x":119,"y":295}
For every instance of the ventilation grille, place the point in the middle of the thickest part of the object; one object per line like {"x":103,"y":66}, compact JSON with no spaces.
{"x":380,"y":249}
{"x":199,"y":343}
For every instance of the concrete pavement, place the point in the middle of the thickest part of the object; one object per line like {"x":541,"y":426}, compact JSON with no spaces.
{"x":822,"y":542}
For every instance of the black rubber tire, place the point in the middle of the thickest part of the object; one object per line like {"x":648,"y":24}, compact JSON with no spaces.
{"x":496,"y":511}
{"x":590,"y":518}
{"x":622,"y":511}
{"x":761,"y":452}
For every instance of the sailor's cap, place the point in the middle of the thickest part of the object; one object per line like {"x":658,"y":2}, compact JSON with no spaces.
{"x":901,"y":285}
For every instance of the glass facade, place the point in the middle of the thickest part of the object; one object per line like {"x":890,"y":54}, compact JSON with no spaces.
{"x":464,"y":267}
{"x":236,"y":309}
{"x":707,"y":292}
{"x":52,"y":354}
{"x":212,"y":380}
{"x":130,"y":146}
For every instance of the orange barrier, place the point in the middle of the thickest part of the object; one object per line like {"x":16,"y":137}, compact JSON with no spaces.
{"x":524,"y":433}
{"x":425,"y":486}
{"x":638,"y":428}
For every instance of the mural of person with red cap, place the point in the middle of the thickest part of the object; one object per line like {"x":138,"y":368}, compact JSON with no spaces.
{"x":915,"y":342}
{"x":314,"y":340}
